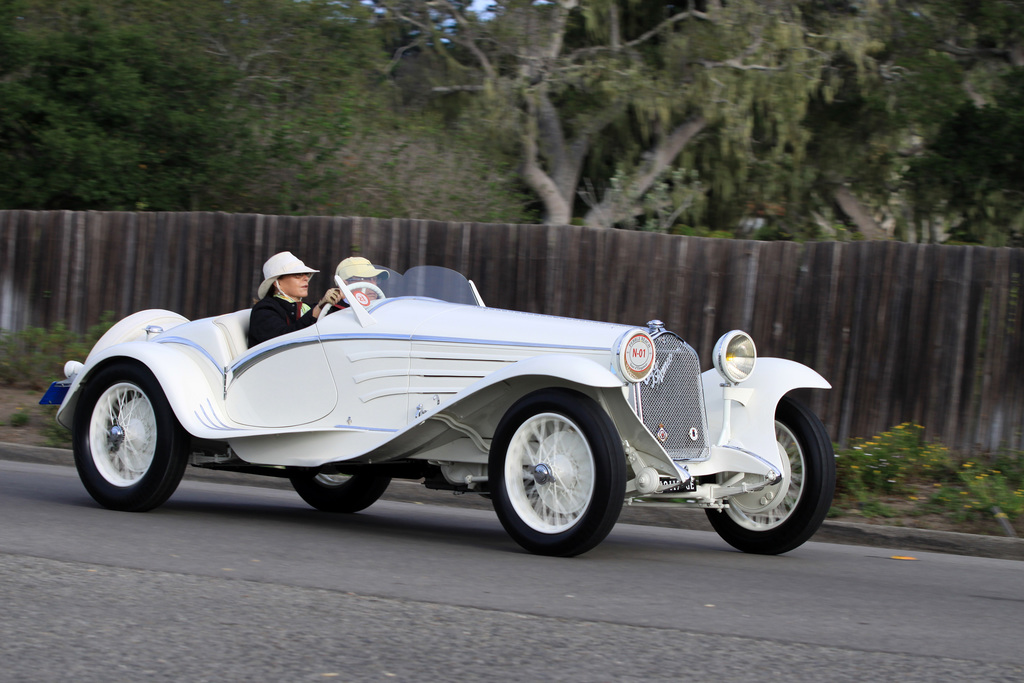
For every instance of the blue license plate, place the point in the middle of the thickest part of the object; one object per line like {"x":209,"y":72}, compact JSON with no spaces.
{"x":54,"y":396}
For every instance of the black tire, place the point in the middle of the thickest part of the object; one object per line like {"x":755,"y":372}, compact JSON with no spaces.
{"x":338,"y":492}
{"x":130,"y":450}
{"x":808,"y":493}
{"x":584,"y":471}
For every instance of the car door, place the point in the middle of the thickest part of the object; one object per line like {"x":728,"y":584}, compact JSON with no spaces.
{"x":283,"y":382}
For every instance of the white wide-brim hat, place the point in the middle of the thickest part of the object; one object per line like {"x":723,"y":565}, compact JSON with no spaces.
{"x":357,"y":266}
{"x":283,"y":263}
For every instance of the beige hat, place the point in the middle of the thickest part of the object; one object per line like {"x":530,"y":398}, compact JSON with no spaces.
{"x":283,"y":263}
{"x":357,"y":266}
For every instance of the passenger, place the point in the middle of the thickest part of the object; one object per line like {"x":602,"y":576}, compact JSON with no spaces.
{"x":356,"y":269}
{"x":280,"y":308}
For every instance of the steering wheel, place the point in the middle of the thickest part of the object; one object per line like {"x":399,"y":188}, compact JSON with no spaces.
{"x":361,"y":299}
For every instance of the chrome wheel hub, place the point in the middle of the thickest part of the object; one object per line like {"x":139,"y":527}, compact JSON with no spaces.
{"x":542,"y":474}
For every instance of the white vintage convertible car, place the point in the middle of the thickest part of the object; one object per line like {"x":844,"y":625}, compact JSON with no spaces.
{"x":560,"y":422}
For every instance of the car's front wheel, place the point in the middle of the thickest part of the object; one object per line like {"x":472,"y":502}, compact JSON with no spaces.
{"x":130,"y":450}
{"x":339,"y":492}
{"x":557,"y":473}
{"x":807,"y":490}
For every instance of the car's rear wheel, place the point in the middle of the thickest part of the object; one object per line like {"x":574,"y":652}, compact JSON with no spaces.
{"x":130,"y":450}
{"x":339,"y":492}
{"x":807,"y":490}
{"x":557,"y":473}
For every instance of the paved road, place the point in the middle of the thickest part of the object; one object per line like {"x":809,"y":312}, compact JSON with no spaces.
{"x":242,"y":583}
{"x":674,"y":518}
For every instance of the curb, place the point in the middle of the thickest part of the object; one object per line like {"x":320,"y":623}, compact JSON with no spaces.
{"x":845,"y":533}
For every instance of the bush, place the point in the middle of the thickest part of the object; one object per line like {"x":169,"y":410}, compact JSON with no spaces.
{"x":891,"y":463}
{"x":899,"y":466}
{"x":35,"y":356}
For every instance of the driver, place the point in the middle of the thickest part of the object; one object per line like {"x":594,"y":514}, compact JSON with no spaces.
{"x":280,"y":308}
{"x":356,"y":269}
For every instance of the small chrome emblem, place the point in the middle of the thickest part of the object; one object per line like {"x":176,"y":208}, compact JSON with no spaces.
{"x":693,"y":434}
{"x":662,"y":434}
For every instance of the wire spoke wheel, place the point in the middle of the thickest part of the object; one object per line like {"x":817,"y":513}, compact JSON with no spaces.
{"x":122,"y":434}
{"x":557,"y":472}
{"x":549,"y":472}
{"x":130,"y":450}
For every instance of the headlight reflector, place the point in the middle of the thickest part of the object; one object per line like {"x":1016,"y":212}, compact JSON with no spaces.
{"x":735,"y":356}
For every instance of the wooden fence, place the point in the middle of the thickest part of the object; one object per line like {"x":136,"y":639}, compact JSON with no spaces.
{"x":905,"y":333}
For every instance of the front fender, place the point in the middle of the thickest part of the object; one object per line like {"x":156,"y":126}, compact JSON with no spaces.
{"x":752,"y":419}
{"x":191,"y":392}
{"x":484,"y":402}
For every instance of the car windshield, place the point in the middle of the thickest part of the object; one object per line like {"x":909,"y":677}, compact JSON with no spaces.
{"x":429,"y":281}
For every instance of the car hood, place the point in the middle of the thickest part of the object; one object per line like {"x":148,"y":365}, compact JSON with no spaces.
{"x":423,"y":320}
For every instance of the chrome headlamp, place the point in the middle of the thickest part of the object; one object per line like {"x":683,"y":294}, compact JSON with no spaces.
{"x":734,"y":356}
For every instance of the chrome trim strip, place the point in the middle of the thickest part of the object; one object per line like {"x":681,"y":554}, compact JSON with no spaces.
{"x":243,"y":364}
{"x":456,"y":340}
{"x":192,"y":345}
{"x":492,"y":342}
{"x":364,"y":335}
{"x":211,"y":421}
{"x":350,"y":428}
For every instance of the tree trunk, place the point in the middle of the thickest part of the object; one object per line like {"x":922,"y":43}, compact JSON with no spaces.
{"x":658,"y":160}
{"x":856,"y":212}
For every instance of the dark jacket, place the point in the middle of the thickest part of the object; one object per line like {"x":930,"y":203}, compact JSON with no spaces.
{"x":273,"y":316}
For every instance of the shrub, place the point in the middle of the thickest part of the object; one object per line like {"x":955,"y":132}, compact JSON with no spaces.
{"x":35,"y":356}
{"x":899,"y":464}
{"x":890,"y":463}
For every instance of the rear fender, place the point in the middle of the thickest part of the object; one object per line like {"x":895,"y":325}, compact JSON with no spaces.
{"x":137,"y":327}
{"x":188,"y":389}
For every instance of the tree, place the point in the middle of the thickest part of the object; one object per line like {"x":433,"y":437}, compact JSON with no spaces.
{"x":930,"y":61}
{"x":99,"y":116}
{"x":620,"y":88}
{"x":972,"y":168}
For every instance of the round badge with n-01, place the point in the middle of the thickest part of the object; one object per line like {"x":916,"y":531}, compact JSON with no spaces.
{"x":638,"y":356}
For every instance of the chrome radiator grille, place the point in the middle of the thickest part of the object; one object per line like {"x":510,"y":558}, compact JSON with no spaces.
{"x":670,"y":402}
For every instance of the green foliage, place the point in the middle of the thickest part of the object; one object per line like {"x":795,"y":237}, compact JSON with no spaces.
{"x":245,"y":106}
{"x":35,"y":356}
{"x":972,"y":169}
{"x":101,"y":116}
{"x":419,"y":167}
{"x":981,"y":488}
{"x":409,"y":108}
{"x":890,"y":463}
{"x":899,"y":467}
